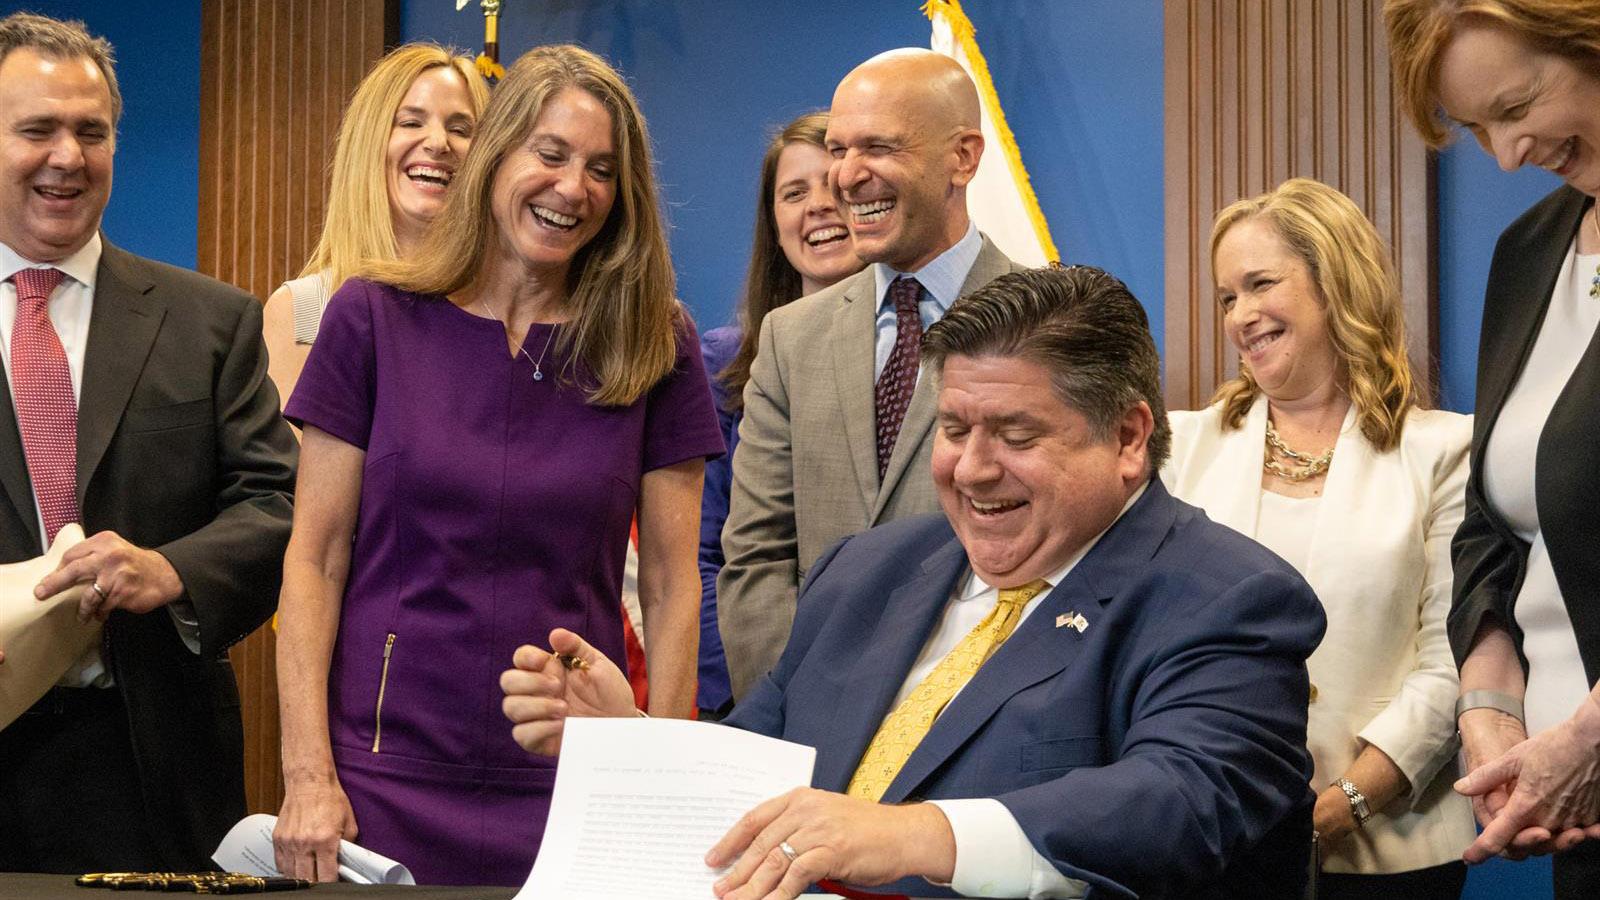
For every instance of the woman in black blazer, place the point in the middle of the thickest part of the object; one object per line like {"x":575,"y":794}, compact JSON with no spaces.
{"x":1524,"y":77}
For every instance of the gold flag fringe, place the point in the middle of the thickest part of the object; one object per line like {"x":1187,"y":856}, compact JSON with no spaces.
{"x":966,"y":36}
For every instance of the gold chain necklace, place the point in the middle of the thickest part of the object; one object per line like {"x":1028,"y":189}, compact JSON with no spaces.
{"x":1306,"y":466}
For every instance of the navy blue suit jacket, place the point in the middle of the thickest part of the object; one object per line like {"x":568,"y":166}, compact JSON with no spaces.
{"x":1159,"y":753}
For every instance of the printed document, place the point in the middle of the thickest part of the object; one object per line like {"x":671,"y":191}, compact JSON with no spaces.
{"x":639,"y":802}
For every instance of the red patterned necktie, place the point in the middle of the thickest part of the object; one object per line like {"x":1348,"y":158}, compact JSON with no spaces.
{"x":41,"y":385}
{"x":892,"y":394}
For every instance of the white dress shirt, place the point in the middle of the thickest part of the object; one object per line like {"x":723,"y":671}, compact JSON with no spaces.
{"x":994,"y":857}
{"x":70,"y":309}
{"x":941,"y":282}
{"x":1285,"y":526}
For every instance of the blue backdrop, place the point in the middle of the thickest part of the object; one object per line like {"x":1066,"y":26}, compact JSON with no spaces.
{"x":1081,"y":81}
{"x":155,"y":190}
{"x":713,"y":77}
{"x":1476,"y":201}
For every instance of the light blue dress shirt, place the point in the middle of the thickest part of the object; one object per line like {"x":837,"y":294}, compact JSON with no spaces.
{"x":941,"y":281}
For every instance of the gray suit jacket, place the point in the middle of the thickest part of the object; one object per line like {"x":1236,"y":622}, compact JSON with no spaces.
{"x":805,"y":474}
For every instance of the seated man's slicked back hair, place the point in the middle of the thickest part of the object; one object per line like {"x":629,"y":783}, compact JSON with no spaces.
{"x":61,"y":40}
{"x":1080,"y":323}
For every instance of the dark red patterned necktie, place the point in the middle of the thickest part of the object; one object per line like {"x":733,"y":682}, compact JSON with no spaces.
{"x":892,"y":394}
{"x":41,"y":385}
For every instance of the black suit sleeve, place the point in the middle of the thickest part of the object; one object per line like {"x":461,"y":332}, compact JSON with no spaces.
{"x":1488,"y":569}
{"x":1489,"y":560}
{"x":232,"y":566}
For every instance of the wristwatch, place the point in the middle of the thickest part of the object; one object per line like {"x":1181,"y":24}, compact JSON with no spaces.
{"x":1358,"y":802}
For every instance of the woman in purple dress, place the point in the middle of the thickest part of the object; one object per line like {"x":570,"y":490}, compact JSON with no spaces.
{"x":482,"y":423}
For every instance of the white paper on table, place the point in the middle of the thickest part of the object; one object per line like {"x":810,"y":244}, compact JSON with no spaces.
{"x":248,"y":850}
{"x":638,"y":802}
{"x":41,"y":638}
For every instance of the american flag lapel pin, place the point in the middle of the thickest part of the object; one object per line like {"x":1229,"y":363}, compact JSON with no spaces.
{"x":1071,"y":618}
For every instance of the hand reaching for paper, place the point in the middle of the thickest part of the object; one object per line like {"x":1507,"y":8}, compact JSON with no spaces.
{"x":542,"y":691}
{"x":790,"y":842}
{"x":118,"y":574}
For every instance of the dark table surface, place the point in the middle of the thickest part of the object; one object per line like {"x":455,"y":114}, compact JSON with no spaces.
{"x":60,"y":887}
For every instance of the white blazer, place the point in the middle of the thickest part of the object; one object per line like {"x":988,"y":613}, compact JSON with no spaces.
{"x":1379,"y":559}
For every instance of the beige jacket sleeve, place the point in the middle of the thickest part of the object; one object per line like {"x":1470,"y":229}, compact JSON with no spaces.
{"x":761,"y":573}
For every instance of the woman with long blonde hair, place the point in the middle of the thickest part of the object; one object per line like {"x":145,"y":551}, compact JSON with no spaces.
{"x":483,"y":420}
{"x":1319,"y":451}
{"x":401,"y":140}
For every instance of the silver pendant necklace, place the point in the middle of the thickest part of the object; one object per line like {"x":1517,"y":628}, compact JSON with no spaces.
{"x":538,"y":372}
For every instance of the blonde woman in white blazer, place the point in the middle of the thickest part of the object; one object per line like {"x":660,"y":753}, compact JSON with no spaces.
{"x":1361,"y":491}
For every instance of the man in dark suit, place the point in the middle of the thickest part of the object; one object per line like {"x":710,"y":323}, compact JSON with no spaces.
{"x":1098,"y":691}
{"x":137,"y":404}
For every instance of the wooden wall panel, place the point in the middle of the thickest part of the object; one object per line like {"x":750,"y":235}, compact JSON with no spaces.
{"x":1258,"y":91}
{"x":275,"y":75}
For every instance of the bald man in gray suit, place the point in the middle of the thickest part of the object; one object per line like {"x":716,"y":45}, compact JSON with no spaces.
{"x":836,"y":434}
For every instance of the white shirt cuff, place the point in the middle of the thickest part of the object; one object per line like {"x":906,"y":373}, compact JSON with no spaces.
{"x":187,"y":622}
{"x":994,"y":858}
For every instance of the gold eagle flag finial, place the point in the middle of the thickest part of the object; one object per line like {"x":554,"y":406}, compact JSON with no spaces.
{"x":488,"y":62}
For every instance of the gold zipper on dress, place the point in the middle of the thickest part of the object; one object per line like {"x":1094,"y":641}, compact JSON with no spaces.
{"x":383,"y":682}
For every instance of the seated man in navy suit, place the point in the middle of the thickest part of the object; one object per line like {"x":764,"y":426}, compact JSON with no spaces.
{"x":1068,"y":685}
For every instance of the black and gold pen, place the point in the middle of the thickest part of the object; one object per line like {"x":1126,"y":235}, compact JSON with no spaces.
{"x":251,"y":885}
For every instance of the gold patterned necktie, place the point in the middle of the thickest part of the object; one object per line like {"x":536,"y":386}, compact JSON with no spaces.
{"x":908,"y":724}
